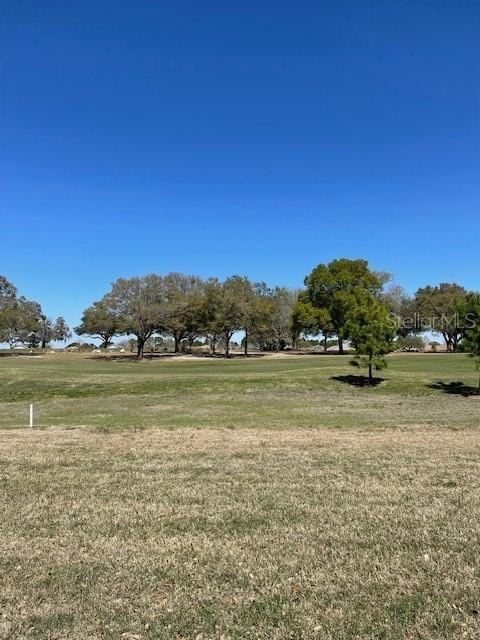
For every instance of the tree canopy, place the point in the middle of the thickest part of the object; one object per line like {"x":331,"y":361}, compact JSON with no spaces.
{"x":442,"y":309}
{"x":22,"y":321}
{"x":342,"y":300}
{"x":332,"y":287}
{"x":371,"y":333}
{"x":100,"y":321}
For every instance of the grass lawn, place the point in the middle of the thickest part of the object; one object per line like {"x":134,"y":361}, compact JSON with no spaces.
{"x":69,"y":390}
{"x":249,"y":499}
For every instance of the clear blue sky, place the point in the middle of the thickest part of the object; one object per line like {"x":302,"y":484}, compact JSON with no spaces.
{"x":249,"y":137}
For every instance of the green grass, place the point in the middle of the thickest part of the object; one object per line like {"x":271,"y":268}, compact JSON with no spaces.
{"x":71,"y":391}
{"x":258,"y":499}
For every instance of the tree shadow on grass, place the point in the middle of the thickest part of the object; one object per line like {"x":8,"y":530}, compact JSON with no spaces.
{"x":132,"y":357}
{"x":13,"y":354}
{"x":456,"y":387}
{"x":358,"y":381}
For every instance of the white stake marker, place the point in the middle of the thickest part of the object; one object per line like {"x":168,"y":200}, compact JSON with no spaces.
{"x":31,"y":416}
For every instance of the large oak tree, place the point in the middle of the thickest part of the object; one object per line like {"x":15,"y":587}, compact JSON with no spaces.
{"x":138,"y":303}
{"x":100,"y":321}
{"x":332,"y":287}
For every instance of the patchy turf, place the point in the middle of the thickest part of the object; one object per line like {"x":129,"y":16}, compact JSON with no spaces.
{"x":315,"y":391}
{"x":262,"y":498}
{"x":250,"y":533}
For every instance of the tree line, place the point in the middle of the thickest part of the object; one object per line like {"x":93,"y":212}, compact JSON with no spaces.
{"x":187,"y":308}
{"x":343,"y":300}
{"x":22,"y":321}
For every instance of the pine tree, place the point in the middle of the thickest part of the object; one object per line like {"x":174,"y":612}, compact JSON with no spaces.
{"x":371,"y":332}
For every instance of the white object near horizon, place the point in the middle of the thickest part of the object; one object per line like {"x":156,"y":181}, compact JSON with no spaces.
{"x":31,"y":416}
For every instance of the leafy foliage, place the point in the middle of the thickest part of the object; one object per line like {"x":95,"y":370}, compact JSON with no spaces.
{"x":22,"y":321}
{"x":371,"y":333}
{"x":333,"y":287}
{"x":99,"y":321}
{"x":443,"y":310}
{"x":410,"y":343}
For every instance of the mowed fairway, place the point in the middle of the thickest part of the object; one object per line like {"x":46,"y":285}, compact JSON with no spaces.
{"x":261,"y":498}
{"x":71,"y":390}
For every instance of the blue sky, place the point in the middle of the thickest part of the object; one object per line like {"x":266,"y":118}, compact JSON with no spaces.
{"x":258,"y":138}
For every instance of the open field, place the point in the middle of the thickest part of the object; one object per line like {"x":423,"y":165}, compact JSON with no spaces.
{"x":71,"y":390}
{"x":258,"y":498}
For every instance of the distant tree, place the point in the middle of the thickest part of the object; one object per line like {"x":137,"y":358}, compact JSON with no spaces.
{"x":61,"y":331}
{"x":137,"y":303}
{"x":326,"y":327}
{"x":231,"y":311}
{"x":209,"y":325}
{"x":281,"y":321}
{"x":45,"y":331}
{"x":442,"y":309}
{"x":410,"y":343}
{"x":259,"y":312}
{"x":304,"y":318}
{"x":276,"y":329}
{"x":251,"y":309}
{"x":20,"y":322}
{"x":403,"y":311}
{"x":100,"y":321}
{"x":332,"y":287}
{"x":370,"y":332}
{"x":49,"y":330}
{"x":182,"y":310}
{"x":226,"y":307}
{"x":23,"y":322}
{"x":20,"y":319}
{"x":308,"y":320}
{"x":8,"y":295}
{"x":224,"y":310}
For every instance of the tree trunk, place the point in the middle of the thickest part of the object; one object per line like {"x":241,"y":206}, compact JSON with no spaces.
{"x":140,"y":347}
{"x":246,"y":343}
{"x":340,"y":345}
{"x":455,"y":343}
{"x":213,"y":344}
{"x":227,"y":345}
{"x":478,"y":388}
{"x":294,"y":338}
{"x":447,"y":342}
{"x":370,"y":371}
{"x":176,"y":338}
{"x":44,"y":344}
{"x":325,"y":343}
